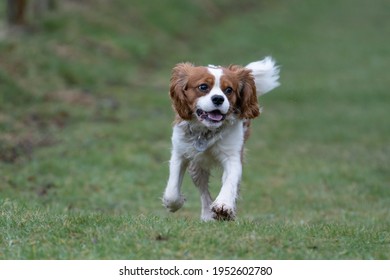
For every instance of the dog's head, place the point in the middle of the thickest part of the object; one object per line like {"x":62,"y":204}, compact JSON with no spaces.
{"x":212,"y":95}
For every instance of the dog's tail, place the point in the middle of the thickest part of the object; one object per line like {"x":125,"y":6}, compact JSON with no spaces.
{"x":266,"y":74}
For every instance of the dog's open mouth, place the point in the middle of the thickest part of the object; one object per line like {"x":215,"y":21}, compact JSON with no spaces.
{"x":212,"y":116}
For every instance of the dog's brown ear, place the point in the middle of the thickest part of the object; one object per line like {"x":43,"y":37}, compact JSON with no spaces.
{"x":178,"y":86}
{"x":247,"y":103}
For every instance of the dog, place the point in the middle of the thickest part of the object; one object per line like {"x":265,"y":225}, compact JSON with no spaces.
{"x":214,"y":106}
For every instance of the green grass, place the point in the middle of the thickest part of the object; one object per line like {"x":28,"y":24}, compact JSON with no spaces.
{"x":85,"y":125}
{"x":80,"y":236}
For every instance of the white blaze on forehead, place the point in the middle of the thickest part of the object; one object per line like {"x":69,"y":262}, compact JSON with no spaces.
{"x":217,"y":73}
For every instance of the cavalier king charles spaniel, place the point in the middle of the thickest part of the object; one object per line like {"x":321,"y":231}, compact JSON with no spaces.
{"x":214,"y":106}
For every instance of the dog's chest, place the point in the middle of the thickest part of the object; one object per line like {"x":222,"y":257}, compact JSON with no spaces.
{"x":203,"y":148}
{"x":207,"y":147}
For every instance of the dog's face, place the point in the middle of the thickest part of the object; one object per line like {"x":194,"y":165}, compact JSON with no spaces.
{"x":212,"y":95}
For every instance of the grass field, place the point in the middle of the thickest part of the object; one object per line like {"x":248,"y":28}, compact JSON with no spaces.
{"x":85,"y":125}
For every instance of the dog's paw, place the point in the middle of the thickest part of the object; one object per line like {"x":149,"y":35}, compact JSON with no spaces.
{"x":223,"y":212}
{"x":207,"y":217}
{"x":173,"y":204}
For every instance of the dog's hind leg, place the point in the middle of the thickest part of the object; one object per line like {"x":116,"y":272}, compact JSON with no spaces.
{"x":200,"y":177}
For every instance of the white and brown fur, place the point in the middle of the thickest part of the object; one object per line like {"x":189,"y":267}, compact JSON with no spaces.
{"x":214,"y":106}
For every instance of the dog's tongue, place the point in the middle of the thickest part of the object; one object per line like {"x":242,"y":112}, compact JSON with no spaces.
{"x":215,"y":116}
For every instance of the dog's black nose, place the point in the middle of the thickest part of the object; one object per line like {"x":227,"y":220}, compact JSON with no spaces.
{"x":217,"y":100}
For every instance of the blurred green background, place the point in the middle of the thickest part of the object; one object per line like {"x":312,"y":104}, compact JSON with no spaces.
{"x":85,"y":125}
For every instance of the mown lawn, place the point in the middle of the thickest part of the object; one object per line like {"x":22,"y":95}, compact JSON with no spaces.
{"x":85,"y":125}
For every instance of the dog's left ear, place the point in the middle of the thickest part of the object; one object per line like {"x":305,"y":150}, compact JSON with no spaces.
{"x":247,"y":103}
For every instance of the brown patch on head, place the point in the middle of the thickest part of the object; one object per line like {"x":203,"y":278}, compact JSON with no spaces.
{"x":246,"y":103}
{"x":230,"y":79}
{"x":184,"y":90}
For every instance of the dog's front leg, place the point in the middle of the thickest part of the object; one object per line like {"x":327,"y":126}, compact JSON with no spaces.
{"x":224,"y":206}
{"x":173,"y":199}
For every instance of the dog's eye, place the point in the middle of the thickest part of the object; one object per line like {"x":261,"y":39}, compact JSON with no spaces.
{"x":228,"y":90}
{"x":203,"y":87}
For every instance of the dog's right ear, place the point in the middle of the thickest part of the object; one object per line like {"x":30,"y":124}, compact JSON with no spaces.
{"x":177,"y":91}
{"x":247,"y":103}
